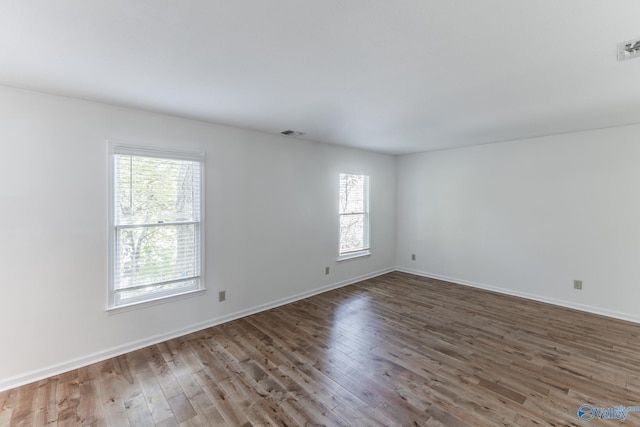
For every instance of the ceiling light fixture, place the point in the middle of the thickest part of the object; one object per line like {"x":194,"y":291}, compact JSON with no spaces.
{"x":629,"y":49}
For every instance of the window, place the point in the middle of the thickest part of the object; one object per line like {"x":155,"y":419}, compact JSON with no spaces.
{"x":156,"y":230}
{"x":354,"y":216}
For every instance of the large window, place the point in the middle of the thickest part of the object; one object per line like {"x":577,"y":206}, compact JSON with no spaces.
{"x":354,"y":215}
{"x":156,"y":230}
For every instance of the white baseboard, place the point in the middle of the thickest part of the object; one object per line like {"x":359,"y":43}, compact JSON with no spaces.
{"x":540,"y":298}
{"x":40,"y":374}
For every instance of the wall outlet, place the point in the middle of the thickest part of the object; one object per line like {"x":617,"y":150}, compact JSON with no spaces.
{"x":326,"y":270}
{"x":577,"y":284}
{"x":222,"y":295}
{"x":413,"y":257}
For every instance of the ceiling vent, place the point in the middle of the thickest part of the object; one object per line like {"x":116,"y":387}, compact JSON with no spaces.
{"x":290,"y":132}
{"x":629,"y":49}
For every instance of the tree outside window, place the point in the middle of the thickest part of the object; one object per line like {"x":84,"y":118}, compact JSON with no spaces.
{"x":354,"y":215}
{"x":156,"y":231}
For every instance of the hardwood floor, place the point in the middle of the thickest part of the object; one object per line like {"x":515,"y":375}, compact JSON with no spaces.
{"x":394,"y":350}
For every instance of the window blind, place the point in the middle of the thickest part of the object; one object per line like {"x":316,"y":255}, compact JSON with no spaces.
{"x":354,"y":213}
{"x":157,"y":227}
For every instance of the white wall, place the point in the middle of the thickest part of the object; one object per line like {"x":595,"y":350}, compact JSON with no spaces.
{"x":271,"y":227}
{"x":528,"y":217}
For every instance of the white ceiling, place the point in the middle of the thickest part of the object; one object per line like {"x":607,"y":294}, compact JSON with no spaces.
{"x":395,"y":76}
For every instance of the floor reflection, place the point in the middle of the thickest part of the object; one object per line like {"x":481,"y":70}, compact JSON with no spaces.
{"x":353,"y":333}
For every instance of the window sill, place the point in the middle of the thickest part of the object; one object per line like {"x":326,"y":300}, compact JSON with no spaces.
{"x":354,"y":255}
{"x":156,"y":301}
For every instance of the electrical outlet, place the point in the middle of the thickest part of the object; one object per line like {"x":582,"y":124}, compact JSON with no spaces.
{"x":413,"y":257}
{"x":577,"y":284}
{"x":222,"y":295}
{"x":326,"y":270}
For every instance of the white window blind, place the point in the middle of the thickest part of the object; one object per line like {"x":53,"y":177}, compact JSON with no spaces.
{"x":354,"y":215}
{"x":156,"y":227}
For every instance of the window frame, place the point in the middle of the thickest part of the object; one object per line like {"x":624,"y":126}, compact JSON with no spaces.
{"x":366,"y":249}
{"x":119,"y":148}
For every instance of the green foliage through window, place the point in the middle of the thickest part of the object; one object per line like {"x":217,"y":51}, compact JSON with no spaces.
{"x":354,"y":213}
{"x":157,"y":226}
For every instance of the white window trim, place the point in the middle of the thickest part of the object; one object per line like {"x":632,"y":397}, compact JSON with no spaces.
{"x":117,"y":147}
{"x":367,"y":231}
{"x":353,"y":255}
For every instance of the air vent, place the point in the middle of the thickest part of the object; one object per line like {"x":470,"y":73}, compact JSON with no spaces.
{"x":629,"y":49}
{"x":290,"y":132}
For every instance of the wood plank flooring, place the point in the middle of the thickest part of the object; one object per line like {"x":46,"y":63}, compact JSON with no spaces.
{"x":395,"y":350}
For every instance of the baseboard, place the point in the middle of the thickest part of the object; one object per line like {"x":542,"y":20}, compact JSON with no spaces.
{"x":50,"y":371}
{"x":534,"y":297}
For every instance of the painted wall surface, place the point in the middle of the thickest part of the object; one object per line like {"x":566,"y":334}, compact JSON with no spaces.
{"x":528,"y":217}
{"x":271,"y":227}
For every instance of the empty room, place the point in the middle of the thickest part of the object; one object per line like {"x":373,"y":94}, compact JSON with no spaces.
{"x":341,"y":213}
